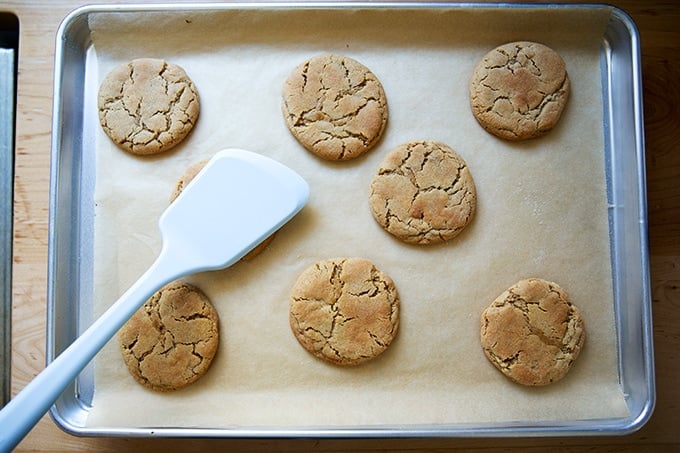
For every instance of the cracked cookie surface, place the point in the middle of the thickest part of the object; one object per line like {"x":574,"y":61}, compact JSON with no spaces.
{"x":518,"y":90}
{"x":147,"y":106}
{"x":171,"y":341}
{"x":532,"y":333}
{"x":335,"y":107}
{"x":344,"y":310}
{"x":188,"y":175}
{"x":423,"y":193}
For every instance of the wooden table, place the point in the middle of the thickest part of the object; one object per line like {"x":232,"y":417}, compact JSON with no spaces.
{"x":660,"y":35}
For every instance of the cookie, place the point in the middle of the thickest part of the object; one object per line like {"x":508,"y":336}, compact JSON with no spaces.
{"x":335,"y":107}
{"x":532,"y":333}
{"x":423,"y":193}
{"x":171,"y":341}
{"x":344,"y":310}
{"x":147,"y":106}
{"x":189,"y":174}
{"x":518,"y":90}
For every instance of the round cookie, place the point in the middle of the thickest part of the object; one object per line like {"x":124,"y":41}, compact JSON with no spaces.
{"x":171,"y":341}
{"x":147,"y":106}
{"x":344,"y":310}
{"x":335,"y":107}
{"x":188,"y":175}
{"x":518,"y":90}
{"x":532,"y":333}
{"x":423,"y":193}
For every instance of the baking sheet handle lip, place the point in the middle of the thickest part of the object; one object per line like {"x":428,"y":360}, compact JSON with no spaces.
{"x":647,"y":328}
{"x":317,"y":4}
{"x":51,"y":217}
{"x":53,"y":184}
{"x":644,"y":411}
{"x":67,"y":26}
{"x":570,"y":428}
{"x":60,"y":44}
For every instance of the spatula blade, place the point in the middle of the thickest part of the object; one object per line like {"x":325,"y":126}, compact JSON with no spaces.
{"x":233,"y":204}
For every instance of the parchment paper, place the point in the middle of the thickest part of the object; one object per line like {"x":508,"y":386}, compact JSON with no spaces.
{"x":542,"y":211}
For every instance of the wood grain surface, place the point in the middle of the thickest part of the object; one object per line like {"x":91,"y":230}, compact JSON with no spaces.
{"x":660,"y":36}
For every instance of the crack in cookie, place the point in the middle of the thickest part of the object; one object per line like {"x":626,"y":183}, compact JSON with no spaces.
{"x":532,"y":333}
{"x":423,"y":193}
{"x":147,"y":106}
{"x":171,"y":341}
{"x":518,"y":90}
{"x":335,"y":107}
{"x":344,"y":310}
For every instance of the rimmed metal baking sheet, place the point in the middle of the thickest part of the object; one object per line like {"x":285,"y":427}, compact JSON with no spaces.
{"x":71,"y":224}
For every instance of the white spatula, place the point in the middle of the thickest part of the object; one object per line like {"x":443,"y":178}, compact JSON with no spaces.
{"x":232,"y":205}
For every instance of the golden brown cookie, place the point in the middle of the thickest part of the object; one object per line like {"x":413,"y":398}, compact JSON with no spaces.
{"x":532,"y":333}
{"x":171,"y":341}
{"x":344,"y":310}
{"x":519,"y":89}
{"x":423,"y":193}
{"x":335,"y":107}
{"x":189,"y":174}
{"x":148,"y":105}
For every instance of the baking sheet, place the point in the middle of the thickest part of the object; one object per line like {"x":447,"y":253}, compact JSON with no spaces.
{"x":542,"y":211}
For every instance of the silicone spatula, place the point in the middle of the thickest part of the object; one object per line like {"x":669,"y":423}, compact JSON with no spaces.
{"x":233,"y":204}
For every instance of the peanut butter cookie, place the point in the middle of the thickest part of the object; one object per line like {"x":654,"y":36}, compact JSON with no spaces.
{"x":519,"y":89}
{"x":171,"y":341}
{"x":344,"y":311}
{"x":423,"y":193}
{"x":335,"y":107}
{"x":188,"y":175}
{"x":148,"y":105}
{"x":532,"y":333}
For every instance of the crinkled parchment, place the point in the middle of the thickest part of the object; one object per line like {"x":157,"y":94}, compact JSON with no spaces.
{"x":542,"y":211}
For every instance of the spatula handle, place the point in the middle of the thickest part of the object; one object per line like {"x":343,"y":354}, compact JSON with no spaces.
{"x":28,"y":406}
{"x":190,"y":228}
